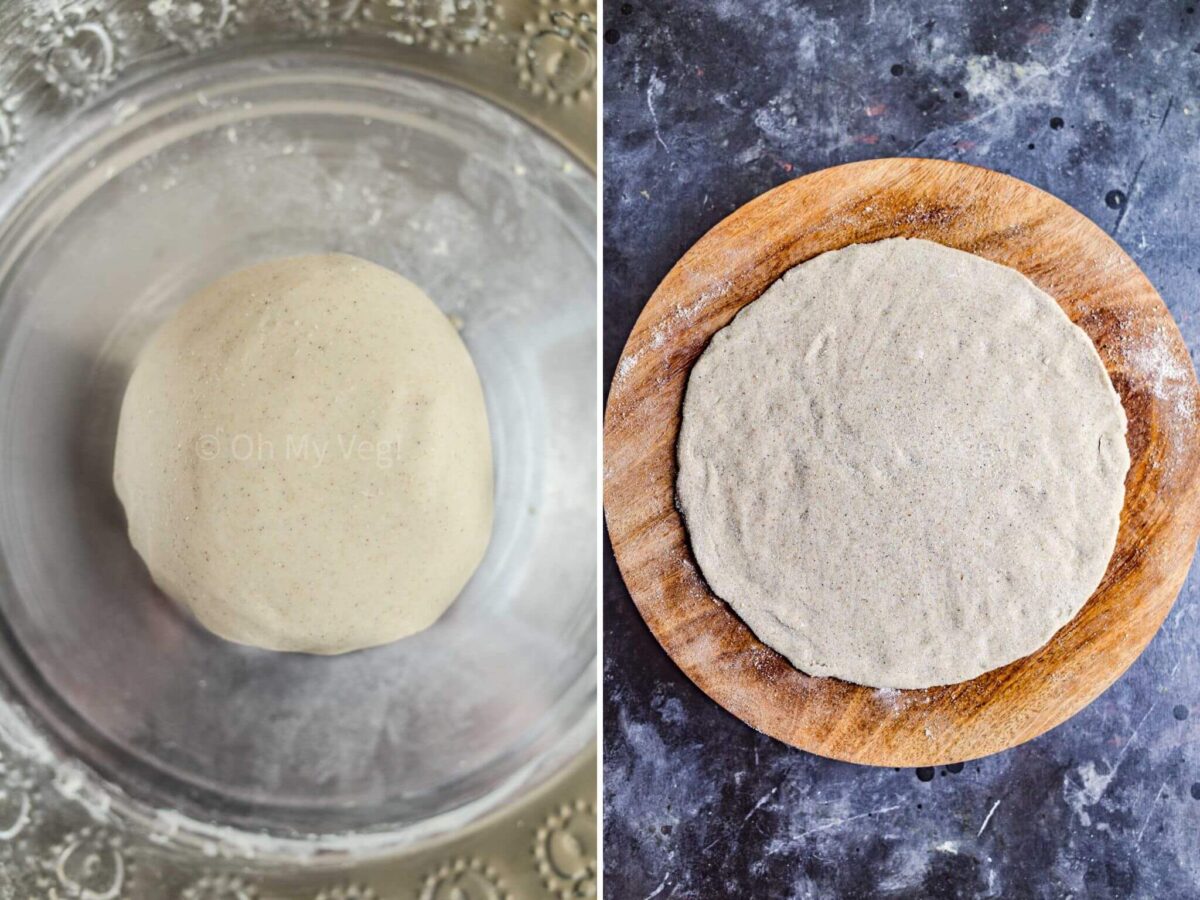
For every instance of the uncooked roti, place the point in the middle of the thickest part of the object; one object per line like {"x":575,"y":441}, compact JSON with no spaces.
{"x":902,"y":465}
{"x":304,"y":457}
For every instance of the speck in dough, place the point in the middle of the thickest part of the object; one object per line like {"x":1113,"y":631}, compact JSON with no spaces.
{"x":304,"y":458}
{"x":902,"y":465}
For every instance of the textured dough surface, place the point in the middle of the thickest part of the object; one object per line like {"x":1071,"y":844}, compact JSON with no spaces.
{"x":902,"y":465}
{"x":304,"y":458}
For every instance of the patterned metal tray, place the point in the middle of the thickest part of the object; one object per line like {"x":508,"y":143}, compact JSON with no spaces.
{"x":537,"y":58}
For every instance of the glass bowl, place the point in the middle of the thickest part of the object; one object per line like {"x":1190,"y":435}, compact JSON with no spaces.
{"x":172,"y":176}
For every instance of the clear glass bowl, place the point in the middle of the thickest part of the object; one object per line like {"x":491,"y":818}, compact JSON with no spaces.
{"x":205,"y":164}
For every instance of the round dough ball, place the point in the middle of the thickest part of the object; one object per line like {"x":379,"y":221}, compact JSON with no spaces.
{"x":304,"y":458}
{"x":902,"y":465}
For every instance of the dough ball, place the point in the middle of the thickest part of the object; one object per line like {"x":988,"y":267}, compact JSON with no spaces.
{"x":304,"y":459}
{"x":902,"y":465}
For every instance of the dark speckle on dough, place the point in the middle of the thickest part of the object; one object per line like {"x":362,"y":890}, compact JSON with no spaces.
{"x":1180,"y":712}
{"x":925,"y":773}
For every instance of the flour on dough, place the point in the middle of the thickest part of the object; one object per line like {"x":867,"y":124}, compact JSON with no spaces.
{"x":304,"y":458}
{"x":902,"y":465}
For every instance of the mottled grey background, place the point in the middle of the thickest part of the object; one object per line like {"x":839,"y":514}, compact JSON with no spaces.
{"x":708,"y":104}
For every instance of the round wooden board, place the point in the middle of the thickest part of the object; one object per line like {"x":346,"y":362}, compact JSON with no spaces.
{"x":994,"y":216}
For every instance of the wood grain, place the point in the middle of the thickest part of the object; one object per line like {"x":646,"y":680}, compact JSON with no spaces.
{"x":982,"y":212}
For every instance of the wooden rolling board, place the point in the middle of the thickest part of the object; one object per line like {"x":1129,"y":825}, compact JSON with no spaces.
{"x":996,"y":217}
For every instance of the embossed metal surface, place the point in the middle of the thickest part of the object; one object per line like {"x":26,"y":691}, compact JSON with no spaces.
{"x":49,"y":847}
{"x":538,"y":59}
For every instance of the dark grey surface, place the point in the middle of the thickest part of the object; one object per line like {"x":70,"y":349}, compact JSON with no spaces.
{"x":708,"y":104}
